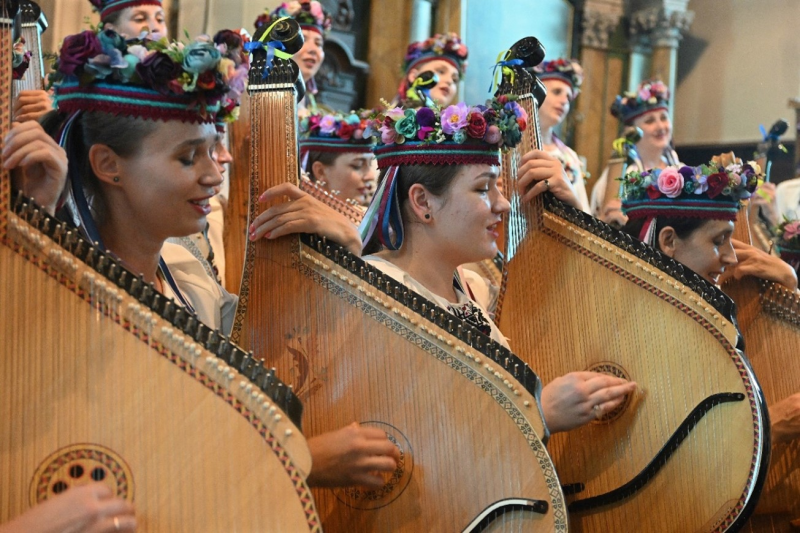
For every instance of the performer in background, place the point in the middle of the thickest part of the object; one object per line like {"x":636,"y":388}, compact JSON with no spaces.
{"x":648,"y":110}
{"x":335,"y":153}
{"x":443,"y":56}
{"x":315,"y":23}
{"x":563,"y":79}
{"x":438,"y":207}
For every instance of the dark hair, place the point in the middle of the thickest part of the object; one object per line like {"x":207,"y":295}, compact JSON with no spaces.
{"x":113,"y":18}
{"x":683,"y":227}
{"x":326,"y":158}
{"x":435,"y":178}
{"x":124,"y":135}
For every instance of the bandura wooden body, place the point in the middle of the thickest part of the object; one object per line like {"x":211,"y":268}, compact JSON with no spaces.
{"x":236,"y":211}
{"x":103,"y":379}
{"x":359,"y":346}
{"x":769,"y":318}
{"x":687,"y":453}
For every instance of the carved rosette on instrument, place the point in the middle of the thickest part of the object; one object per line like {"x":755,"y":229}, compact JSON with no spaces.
{"x":612,"y":369}
{"x":78,"y":465}
{"x":396,"y":483}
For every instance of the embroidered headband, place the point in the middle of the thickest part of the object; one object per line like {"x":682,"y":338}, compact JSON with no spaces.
{"x":109,"y":7}
{"x":567,"y":70}
{"x":158,"y":80}
{"x":707,"y":192}
{"x":308,"y":13}
{"x":651,"y":95}
{"x":459,"y":135}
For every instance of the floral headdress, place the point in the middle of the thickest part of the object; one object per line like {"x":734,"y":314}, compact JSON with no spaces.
{"x":338,"y":133}
{"x":788,"y":244}
{"x":460,"y":135}
{"x":159,"y":80}
{"x":109,"y":7}
{"x":651,"y":95}
{"x":708,"y":192}
{"x":567,"y":70}
{"x":21,"y":59}
{"x":235,"y":63}
{"x":447,"y":47}
{"x":139,"y":78}
{"x":308,"y":13}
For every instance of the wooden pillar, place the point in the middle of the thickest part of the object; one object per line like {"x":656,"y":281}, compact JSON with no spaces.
{"x":389,"y":28}
{"x":448,"y":17}
{"x":603,"y":72}
{"x":794,"y":103}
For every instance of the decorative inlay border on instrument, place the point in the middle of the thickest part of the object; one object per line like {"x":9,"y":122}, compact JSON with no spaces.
{"x":233,"y":375}
{"x":386,"y":301}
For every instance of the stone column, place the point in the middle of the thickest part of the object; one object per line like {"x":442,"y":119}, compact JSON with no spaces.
{"x":661,"y":27}
{"x":595,"y":129}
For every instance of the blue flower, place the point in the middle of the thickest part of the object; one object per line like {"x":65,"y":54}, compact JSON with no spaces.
{"x":200,"y":57}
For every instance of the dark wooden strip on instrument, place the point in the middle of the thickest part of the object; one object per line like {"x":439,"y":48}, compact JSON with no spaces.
{"x":181,"y":318}
{"x":491,"y":513}
{"x":660,"y":460}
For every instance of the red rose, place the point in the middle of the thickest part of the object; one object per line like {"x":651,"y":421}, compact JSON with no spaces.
{"x":206,"y":80}
{"x":716,"y":182}
{"x":653,"y":192}
{"x":476,"y":126}
{"x":346,"y":131}
{"x":523,"y":124}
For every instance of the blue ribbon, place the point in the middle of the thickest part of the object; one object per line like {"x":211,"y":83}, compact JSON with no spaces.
{"x":272,"y":47}
{"x":503,"y":64}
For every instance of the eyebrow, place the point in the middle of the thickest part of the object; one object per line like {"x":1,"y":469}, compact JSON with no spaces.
{"x":490,"y":175}
{"x":191,"y":143}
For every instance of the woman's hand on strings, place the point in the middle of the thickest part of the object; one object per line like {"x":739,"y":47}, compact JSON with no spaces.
{"x":301,"y":213}
{"x":353,"y":455}
{"x":86,"y":509}
{"x":577,"y":398}
{"x":31,"y":106}
{"x":540,"y":172}
{"x":760,"y":264}
{"x":37,"y":162}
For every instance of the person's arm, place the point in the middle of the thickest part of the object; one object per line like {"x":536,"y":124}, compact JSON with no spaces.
{"x":784,"y":418}
{"x":37,"y":162}
{"x":301,"y":213}
{"x":353,"y":455}
{"x":577,"y":398}
{"x":87,"y":509}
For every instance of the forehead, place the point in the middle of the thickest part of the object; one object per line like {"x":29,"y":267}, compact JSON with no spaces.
{"x":552,"y":84}
{"x":150,"y":10}
{"x":437,"y":64}
{"x":656,"y":113}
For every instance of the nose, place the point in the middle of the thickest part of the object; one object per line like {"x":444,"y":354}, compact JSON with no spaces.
{"x":501,"y":204}
{"x":728,"y":255}
{"x":210,"y":173}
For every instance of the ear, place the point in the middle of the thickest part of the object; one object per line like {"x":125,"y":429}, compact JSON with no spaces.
{"x":668,"y":241}
{"x":105,"y":162}
{"x":421,"y":202}
{"x":318,"y":169}
{"x":412,"y":74}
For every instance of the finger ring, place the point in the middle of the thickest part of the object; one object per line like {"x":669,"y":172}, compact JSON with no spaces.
{"x":546,"y":185}
{"x":598,"y":411}
{"x":116,"y":523}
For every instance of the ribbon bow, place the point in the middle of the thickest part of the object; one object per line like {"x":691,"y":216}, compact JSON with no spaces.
{"x":273,"y":48}
{"x":505,"y":65}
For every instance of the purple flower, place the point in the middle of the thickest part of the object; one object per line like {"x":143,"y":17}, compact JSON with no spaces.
{"x":426,"y":118}
{"x":76,"y":51}
{"x":388,"y":134}
{"x":686,"y":172}
{"x":157,"y":70}
{"x":454,"y":118}
{"x":327,"y":125}
{"x":493,"y":135}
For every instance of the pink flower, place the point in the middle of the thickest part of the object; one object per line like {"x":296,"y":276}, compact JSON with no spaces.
{"x":670,"y":182}
{"x":736,"y":180}
{"x":791,"y":230}
{"x":388,"y":134}
{"x":395,"y":113}
{"x":454,"y":118}
{"x":327,"y":125}
{"x":316,"y":11}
